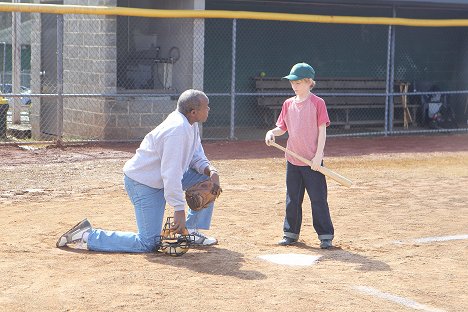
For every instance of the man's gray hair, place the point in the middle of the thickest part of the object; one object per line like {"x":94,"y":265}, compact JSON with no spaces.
{"x":189,"y":100}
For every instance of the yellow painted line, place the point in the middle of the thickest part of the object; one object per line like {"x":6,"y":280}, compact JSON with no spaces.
{"x":328,"y":19}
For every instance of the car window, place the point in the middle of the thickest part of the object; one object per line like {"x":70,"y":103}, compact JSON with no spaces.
{"x":7,"y":88}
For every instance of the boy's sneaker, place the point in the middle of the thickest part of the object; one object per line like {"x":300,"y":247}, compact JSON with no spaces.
{"x":287,"y":241}
{"x":326,"y":243}
{"x":200,"y":239}
{"x":75,"y":234}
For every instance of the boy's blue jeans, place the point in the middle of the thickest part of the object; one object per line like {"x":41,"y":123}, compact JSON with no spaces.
{"x":149,"y":204}
{"x":299,"y":179}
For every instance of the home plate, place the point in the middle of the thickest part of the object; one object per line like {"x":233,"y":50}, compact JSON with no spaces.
{"x":291,"y":259}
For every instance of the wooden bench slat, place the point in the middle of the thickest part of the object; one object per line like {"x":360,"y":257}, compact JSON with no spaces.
{"x":324,"y":85}
{"x":329,"y":101}
{"x":330,"y":107}
{"x":334,"y":85}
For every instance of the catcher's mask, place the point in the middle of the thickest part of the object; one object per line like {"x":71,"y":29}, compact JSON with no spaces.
{"x":172,"y":243}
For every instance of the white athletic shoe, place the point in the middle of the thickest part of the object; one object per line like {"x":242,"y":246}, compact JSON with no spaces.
{"x":200,"y":239}
{"x":75,"y":234}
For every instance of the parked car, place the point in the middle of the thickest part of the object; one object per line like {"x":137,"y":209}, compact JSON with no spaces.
{"x":8,"y":88}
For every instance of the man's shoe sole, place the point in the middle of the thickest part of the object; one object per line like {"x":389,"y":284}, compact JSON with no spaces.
{"x":63,"y":241}
{"x":202,"y":245}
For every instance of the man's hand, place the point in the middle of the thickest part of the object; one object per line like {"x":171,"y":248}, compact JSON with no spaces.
{"x":179,"y":222}
{"x":214,"y":176}
{"x":269,"y":137}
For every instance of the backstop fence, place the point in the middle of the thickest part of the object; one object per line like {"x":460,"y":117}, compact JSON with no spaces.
{"x":113,"y":75}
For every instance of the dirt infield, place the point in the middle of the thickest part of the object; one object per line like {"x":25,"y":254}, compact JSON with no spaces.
{"x":401,"y":232}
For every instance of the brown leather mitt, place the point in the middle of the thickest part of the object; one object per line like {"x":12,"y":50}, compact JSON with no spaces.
{"x":200,"y":195}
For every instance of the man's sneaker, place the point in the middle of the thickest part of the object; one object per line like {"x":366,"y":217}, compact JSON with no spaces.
{"x":200,"y":239}
{"x":287,"y":241}
{"x":75,"y":234}
{"x":326,"y":243}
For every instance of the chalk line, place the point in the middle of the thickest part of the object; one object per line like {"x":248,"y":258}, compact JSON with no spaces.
{"x":440,"y":238}
{"x":425,"y":240}
{"x":397,"y":299}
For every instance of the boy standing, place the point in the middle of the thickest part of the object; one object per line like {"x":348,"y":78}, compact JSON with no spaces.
{"x":305,"y":118}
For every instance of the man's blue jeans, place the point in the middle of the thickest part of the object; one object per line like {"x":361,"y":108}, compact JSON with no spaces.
{"x":299,"y":179}
{"x":149,"y":204}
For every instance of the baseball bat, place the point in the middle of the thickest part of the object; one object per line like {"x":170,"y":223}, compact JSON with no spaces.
{"x":329,"y":173}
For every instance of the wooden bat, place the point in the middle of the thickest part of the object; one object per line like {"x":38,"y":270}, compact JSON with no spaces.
{"x":329,"y":173}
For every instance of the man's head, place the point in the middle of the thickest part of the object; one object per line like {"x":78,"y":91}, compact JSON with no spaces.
{"x":194,"y":105}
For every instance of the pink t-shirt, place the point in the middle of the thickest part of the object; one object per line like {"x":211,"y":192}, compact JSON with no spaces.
{"x":301,"y":121}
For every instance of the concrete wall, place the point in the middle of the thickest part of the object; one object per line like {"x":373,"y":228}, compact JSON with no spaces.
{"x":132,"y":118}
{"x":90,"y":67}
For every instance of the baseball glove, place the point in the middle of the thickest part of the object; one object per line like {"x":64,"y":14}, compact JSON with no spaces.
{"x":200,"y":195}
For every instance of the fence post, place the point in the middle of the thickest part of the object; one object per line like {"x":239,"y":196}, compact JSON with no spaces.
{"x":233,"y":80}
{"x":59,"y":78}
{"x":3,"y":66}
{"x":389,"y":107}
{"x":16,"y":66}
{"x":3,"y":117}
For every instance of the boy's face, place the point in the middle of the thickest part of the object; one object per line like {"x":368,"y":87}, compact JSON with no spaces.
{"x":302,"y":86}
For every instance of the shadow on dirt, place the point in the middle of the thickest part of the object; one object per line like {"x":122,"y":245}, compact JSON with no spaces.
{"x":215,"y":261}
{"x":339,"y":254}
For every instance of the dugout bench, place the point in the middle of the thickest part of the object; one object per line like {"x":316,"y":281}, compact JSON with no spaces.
{"x":345,"y":110}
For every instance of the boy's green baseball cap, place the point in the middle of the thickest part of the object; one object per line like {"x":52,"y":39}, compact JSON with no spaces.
{"x":301,"y":71}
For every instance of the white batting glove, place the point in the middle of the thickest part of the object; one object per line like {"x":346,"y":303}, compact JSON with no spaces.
{"x":269,"y":138}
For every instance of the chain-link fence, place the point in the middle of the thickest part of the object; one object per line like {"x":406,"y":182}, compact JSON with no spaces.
{"x":80,"y":77}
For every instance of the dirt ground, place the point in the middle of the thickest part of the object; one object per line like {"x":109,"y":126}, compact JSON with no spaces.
{"x":400,"y":232}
